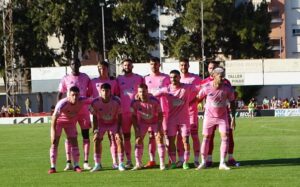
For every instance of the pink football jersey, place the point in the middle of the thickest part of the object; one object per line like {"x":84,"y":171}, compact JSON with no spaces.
{"x":156,"y":82}
{"x":82,"y":81}
{"x":216,"y":99}
{"x":127,"y":86}
{"x":146,"y":112}
{"x":97,"y":82}
{"x":66,"y":112}
{"x":107,"y":113}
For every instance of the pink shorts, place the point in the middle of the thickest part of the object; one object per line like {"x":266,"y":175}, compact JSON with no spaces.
{"x":126,"y":122}
{"x":110,"y":129}
{"x":184,"y":129}
{"x":144,"y":128}
{"x":84,"y":120}
{"x":165,"y":121}
{"x":70,"y":130}
{"x":210,"y":124}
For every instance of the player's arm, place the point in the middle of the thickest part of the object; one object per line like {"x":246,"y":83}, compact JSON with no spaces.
{"x":135,"y":125}
{"x":95,"y":127}
{"x":160,"y":119}
{"x":232,"y":114}
{"x":59,"y":96}
{"x":53,"y":127}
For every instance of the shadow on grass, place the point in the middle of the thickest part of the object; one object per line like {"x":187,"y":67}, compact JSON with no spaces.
{"x":271,"y":162}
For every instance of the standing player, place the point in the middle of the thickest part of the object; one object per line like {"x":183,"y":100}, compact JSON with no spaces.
{"x":96,"y":84}
{"x":107,"y":117}
{"x":178,"y":95}
{"x":147,"y":114}
{"x":217,"y":95}
{"x":127,"y":86}
{"x":155,"y":81}
{"x":190,"y":78}
{"x":82,"y":81}
{"x":65,"y":117}
{"x":231,"y":161}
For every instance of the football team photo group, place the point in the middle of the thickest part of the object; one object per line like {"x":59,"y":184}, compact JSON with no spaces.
{"x":159,"y":111}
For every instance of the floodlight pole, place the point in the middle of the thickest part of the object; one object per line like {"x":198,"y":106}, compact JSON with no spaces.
{"x":202,"y":40}
{"x":103,"y":31}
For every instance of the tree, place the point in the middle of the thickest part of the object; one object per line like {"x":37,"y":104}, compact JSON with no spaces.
{"x":135,"y":20}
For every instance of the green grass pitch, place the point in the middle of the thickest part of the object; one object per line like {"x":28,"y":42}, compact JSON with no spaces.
{"x":268,"y":150}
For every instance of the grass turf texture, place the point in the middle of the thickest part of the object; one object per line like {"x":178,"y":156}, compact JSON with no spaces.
{"x":268,"y":150}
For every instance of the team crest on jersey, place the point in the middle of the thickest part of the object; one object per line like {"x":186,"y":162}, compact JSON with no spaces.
{"x":122,"y":83}
{"x":149,"y":82}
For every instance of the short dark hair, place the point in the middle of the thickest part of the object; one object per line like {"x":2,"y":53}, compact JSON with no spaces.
{"x":76,"y":60}
{"x":103,"y":63}
{"x":74,"y":89}
{"x":105,"y":86}
{"x":127,"y":60}
{"x":183,"y":59}
{"x":155,"y":59}
{"x":143,"y":86}
{"x":175,"y":71}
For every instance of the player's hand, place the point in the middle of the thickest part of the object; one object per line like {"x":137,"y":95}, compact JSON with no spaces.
{"x":117,"y":136}
{"x":96,"y":137}
{"x":232,"y":124}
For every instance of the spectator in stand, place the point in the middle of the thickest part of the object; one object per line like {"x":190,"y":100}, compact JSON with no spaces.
{"x":240,"y":103}
{"x":298,"y":102}
{"x":279,"y":103}
{"x":266,"y":103}
{"x":293,"y":103}
{"x":285,"y":103}
{"x":28,"y":106}
{"x":17,"y":111}
{"x":10,"y":111}
{"x":251,"y":107}
{"x":273,"y":102}
{"x":3,"y":111}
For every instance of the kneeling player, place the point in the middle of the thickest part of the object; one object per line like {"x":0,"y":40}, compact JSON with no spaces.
{"x":147,"y":115}
{"x":65,"y":117}
{"x":107,"y":117}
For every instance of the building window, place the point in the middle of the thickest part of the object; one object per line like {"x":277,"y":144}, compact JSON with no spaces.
{"x":275,"y":44}
{"x":295,"y":4}
{"x":296,"y":32}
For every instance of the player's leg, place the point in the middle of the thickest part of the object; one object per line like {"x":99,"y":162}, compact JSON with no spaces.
{"x":171,"y":132}
{"x":71,"y":133}
{"x":126,"y":128}
{"x":85,"y":124}
{"x":113,"y":151}
{"x":231,"y":160}
{"x":53,"y":150}
{"x":120,"y":151}
{"x":139,"y":146}
{"x":223,"y":129}
{"x":185,"y":133}
{"x":151,"y":150}
{"x":196,"y":143}
{"x":207,"y":131}
{"x":180,"y":149}
{"x":209,"y":161}
{"x":161,"y":149}
{"x":98,"y":150}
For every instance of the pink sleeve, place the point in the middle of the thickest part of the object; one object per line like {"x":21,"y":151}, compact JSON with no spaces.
{"x":161,"y":92}
{"x":202,"y":93}
{"x":62,"y":86}
{"x":89,"y":92}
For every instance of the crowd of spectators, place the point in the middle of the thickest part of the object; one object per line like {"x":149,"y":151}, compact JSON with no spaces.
{"x":10,"y":111}
{"x":275,"y":103}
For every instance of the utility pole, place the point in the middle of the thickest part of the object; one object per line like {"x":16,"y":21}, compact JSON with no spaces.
{"x":8,"y":43}
{"x":103,"y":31}
{"x":202,"y":40}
